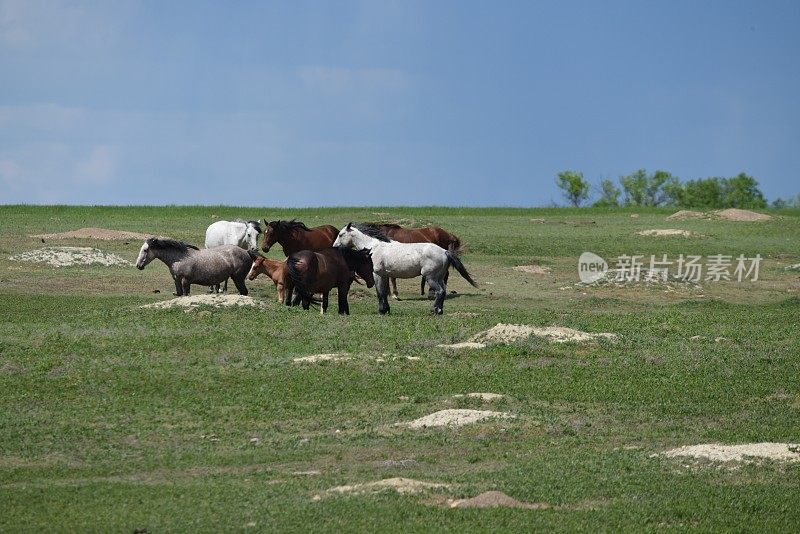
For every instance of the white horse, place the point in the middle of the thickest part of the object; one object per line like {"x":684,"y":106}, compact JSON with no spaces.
{"x":243,"y":234}
{"x":402,"y":260}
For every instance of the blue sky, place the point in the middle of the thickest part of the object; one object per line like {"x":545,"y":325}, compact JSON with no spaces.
{"x":389,"y":103}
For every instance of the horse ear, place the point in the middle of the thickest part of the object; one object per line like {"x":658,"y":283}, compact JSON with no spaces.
{"x":349,"y":226}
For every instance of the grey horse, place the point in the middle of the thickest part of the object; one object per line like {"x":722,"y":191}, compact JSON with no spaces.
{"x":190,"y":265}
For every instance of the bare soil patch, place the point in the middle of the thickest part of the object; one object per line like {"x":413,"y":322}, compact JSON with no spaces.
{"x":486,"y":397}
{"x":665,"y":232}
{"x":316,"y":358}
{"x":69,"y":256}
{"x":454,"y":418}
{"x":532,"y":269}
{"x":94,"y":233}
{"x":687,"y":215}
{"x":507,"y":333}
{"x":718,"y":452}
{"x":403,"y":486}
{"x":463,"y":345}
{"x":734,"y":214}
{"x":493,"y":499}
{"x":217,"y":301}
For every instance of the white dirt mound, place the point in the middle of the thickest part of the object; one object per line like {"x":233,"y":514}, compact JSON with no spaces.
{"x":686,"y":215}
{"x":94,"y":233}
{"x":404,"y":486}
{"x":193,"y":301}
{"x":666,"y":232}
{"x":717,"y":452}
{"x":487,"y":397}
{"x":795,"y":267}
{"x":532,"y":269}
{"x":314,"y":358}
{"x":68,"y":256}
{"x":507,"y":333}
{"x":492,"y":499}
{"x":454,"y":418}
{"x":734,"y":214}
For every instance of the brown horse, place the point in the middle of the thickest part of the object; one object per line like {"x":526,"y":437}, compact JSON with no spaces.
{"x":319,"y":272}
{"x":274,"y":269}
{"x":295,"y":236}
{"x":428,"y":234}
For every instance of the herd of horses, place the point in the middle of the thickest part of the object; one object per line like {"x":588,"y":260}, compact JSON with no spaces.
{"x":318,"y":260}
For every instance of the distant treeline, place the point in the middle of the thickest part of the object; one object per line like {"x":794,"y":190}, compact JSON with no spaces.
{"x":661,"y":188}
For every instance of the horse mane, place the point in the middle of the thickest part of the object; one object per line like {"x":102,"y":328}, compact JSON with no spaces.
{"x":256,"y":225}
{"x":164,"y":243}
{"x":287,"y":226}
{"x":373,"y":230}
{"x":355,"y":256}
{"x":391,"y":225}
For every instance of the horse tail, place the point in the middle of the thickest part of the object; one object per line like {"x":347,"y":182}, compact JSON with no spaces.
{"x":453,"y":260}
{"x":298,"y":277}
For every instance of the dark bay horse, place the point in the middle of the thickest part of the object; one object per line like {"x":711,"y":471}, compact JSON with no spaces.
{"x":295,"y":236}
{"x":319,"y":272}
{"x":427,"y":234}
{"x":274,"y":269}
{"x":189,"y":265}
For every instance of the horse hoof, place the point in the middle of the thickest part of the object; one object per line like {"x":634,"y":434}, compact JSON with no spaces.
{"x":395,"y":297}
{"x":437,"y":311}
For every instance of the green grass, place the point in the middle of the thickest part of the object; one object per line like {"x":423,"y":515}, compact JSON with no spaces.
{"x":115,"y":418}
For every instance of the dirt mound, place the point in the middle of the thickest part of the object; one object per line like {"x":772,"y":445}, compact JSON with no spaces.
{"x":94,"y":233}
{"x":215,"y":300}
{"x":507,"y":333}
{"x":403,"y":486}
{"x":314,"y":358}
{"x":667,"y":232}
{"x":68,"y":256}
{"x":795,"y":267}
{"x":532,"y":269}
{"x":492,"y":499}
{"x":717,"y":452}
{"x":486,"y":397}
{"x":734,"y":214}
{"x":454,"y":418}
{"x":686,"y":215}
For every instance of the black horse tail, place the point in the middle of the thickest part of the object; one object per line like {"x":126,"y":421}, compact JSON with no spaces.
{"x":455,"y":262}
{"x":299,"y":278}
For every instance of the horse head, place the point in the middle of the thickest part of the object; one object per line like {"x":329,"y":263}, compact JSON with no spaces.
{"x":270,"y":235}
{"x":346,"y":237}
{"x":146,"y":253}
{"x":251,"y":232}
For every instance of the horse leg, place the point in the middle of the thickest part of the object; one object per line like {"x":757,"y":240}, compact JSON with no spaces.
{"x":344,"y":307}
{"x":287,"y":291}
{"x":422,"y":286}
{"x":239,"y":285}
{"x":438,"y":286}
{"x":187,"y":285}
{"x":324,"y":308}
{"x":281,"y":291}
{"x":225,"y":287}
{"x":178,"y":287}
{"x":395,"y":294}
{"x":382,"y":289}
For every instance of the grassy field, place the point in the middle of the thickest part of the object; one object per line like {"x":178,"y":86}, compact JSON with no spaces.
{"x":115,"y":418}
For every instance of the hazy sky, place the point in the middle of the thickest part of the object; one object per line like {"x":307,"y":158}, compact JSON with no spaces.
{"x":386,"y":103}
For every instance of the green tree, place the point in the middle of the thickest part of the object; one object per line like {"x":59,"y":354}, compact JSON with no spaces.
{"x":642,"y":189}
{"x":609,"y":195}
{"x":742,"y":191}
{"x":574,"y":187}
